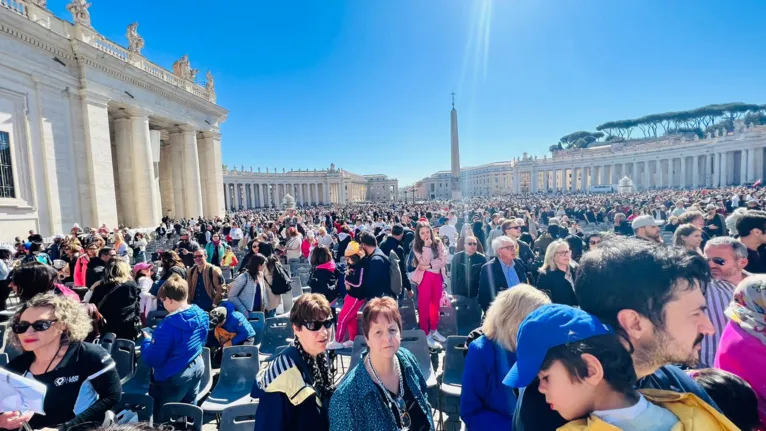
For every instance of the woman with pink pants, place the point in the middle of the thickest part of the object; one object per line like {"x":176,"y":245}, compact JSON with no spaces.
{"x":431,"y":260}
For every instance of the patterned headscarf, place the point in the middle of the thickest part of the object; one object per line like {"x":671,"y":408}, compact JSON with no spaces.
{"x":748,"y":308}
{"x":324,"y":381}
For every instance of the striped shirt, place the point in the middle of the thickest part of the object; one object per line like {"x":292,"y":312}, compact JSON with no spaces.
{"x":718,"y":296}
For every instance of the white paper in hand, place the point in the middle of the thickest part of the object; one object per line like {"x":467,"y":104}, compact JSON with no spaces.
{"x":19,"y":393}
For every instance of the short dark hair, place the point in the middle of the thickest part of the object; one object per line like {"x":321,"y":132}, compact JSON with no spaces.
{"x":368,"y":239}
{"x":397,"y":230}
{"x":386,"y":307}
{"x":33,"y":278}
{"x":752,"y":219}
{"x":104,"y":251}
{"x":175,"y":288}
{"x":310,"y":307}
{"x":320,"y":255}
{"x":615,"y":360}
{"x":636,"y":275}
{"x":733,"y":395}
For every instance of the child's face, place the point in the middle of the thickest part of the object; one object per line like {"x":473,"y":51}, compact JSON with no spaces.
{"x":571,"y":398}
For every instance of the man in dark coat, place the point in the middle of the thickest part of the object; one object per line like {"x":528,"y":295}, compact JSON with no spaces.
{"x":377,"y":278}
{"x":466,"y":266}
{"x":96,"y":266}
{"x":502,"y":272}
{"x":393,"y":242}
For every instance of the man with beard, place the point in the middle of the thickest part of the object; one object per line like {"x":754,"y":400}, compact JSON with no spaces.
{"x":652,"y":297}
{"x":646,"y":227}
{"x":727,"y":259}
{"x":186,"y":248}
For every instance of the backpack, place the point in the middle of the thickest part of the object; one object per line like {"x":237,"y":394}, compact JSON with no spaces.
{"x":395,"y":273}
{"x":280,"y":280}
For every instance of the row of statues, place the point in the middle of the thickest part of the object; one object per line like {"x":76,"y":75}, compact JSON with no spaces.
{"x":242,"y":168}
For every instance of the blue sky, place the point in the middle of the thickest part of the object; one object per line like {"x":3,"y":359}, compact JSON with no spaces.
{"x":366,"y":83}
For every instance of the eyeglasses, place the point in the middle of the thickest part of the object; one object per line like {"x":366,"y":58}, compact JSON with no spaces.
{"x":563,"y":253}
{"x":199,"y":256}
{"x":717,"y":260}
{"x":508,"y":247}
{"x":594,"y":242}
{"x":512,"y":227}
{"x":471,"y":244}
{"x":38,"y":326}
{"x":317,"y":325}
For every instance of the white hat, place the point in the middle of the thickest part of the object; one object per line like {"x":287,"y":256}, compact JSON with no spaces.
{"x":644,"y":221}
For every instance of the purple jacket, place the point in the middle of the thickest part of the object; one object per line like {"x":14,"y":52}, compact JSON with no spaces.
{"x":744,"y":355}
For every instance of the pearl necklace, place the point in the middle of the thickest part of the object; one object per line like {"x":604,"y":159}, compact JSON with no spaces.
{"x":399,"y":402}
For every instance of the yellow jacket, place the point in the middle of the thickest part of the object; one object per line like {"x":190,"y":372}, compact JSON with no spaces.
{"x":693,"y":413}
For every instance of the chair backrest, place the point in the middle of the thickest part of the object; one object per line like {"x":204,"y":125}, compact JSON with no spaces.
{"x":239,"y":417}
{"x":360,"y":345}
{"x":124,"y":355}
{"x":295,"y":286}
{"x":142,"y":404}
{"x":3,"y":360}
{"x":447,"y":321}
{"x":155,"y":317}
{"x":206,"y":384}
{"x":278,"y":332}
{"x":107,"y":341}
{"x":139,"y":383}
{"x":414,"y":340}
{"x":187,"y":415}
{"x":257,"y":320}
{"x":454,"y":360}
{"x":409,"y":318}
{"x":238,"y":368}
{"x":468,"y":315}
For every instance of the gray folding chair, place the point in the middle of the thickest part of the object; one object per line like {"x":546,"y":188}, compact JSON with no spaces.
{"x":3,"y":360}
{"x":278,"y":332}
{"x":257,"y":320}
{"x":142,"y":404}
{"x":139,"y":383}
{"x":409,"y":317}
{"x":107,"y":342}
{"x":124,"y":355}
{"x":468,"y":315}
{"x":452,"y":378}
{"x":207,"y":376}
{"x":155,"y":317}
{"x":239,"y":418}
{"x":295,"y":286}
{"x":415,"y":342}
{"x":447,"y":321}
{"x":180,"y":414}
{"x":239,"y":367}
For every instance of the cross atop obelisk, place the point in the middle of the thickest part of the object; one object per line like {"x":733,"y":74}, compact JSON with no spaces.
{"x":457,"y":193}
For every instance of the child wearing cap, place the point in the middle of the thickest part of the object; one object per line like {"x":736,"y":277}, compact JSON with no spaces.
{"x":355,"y":300}
{"x":587,"y":376}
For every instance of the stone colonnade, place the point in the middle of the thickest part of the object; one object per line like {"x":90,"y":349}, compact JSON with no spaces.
{"x":250,"y":193}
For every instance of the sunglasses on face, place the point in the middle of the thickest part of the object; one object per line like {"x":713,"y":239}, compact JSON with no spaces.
{"x":38,"y":326}
{"x":594,"y":242}
{"x":471,"y":244}
{"x":717,"y":260}
{"x":512,"y":227}
{"x":317,"y":325}
{"x":199,"y":256}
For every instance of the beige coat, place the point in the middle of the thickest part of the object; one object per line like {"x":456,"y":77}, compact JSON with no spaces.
{"x":274,"y":300}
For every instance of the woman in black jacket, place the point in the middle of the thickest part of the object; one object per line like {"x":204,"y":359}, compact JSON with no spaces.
{"x":324,"y":274}
{"x":252,"y":249}
{"x":557,"y":274}
{"x":117,"y":299}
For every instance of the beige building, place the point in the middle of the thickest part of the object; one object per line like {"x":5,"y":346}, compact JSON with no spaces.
{"x":92,"y":132}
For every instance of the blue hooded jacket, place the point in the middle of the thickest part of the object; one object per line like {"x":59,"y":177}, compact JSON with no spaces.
{"x":178,"y":340}
{"x":237,"y":323}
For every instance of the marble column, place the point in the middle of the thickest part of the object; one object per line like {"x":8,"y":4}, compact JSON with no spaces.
{"x":751,"y":164}
{"x":155,"y":136}
{"x":166,"y":180}
{"x":177,"y":153}
{"x":101,"y":201}
{"x":123,"y":143}
{"x":682,"y":183}
{"x":147,"y":211}
{"x":192,"y":185}
{"x":724,"y":181}
{"x":696,"y":171}
{"x":709,"y":169}
{"x":211,"y":173}
{"x":743,"y":166}
{"x":647,"y":175}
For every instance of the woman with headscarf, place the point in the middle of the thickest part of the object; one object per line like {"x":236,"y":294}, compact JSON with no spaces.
{"x":742,"y":350}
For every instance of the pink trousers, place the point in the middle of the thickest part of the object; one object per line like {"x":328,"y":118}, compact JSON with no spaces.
{"x":429,"y":296}
{"x":347,"y":319}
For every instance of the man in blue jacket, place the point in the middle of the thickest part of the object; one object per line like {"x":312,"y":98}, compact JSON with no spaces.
{"x":174,"y":349}
{"x":231,"y":327}
{"x":377,"y":278}
{"x":651,"y":296}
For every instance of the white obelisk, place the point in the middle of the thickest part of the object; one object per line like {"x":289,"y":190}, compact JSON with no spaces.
{"x":457,"y":193}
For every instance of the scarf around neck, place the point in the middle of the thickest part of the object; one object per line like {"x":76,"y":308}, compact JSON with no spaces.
{"x":748,"y":307}
{"x":324,"y":383}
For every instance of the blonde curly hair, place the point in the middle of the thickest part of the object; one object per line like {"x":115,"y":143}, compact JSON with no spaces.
{"x":77,"y":323}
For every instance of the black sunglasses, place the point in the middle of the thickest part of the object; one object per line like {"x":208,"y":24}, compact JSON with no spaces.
{"x":315,"y":326}
{"x":470,"y":243}
{"x":38,"y":326}
{"x":718,"y":260}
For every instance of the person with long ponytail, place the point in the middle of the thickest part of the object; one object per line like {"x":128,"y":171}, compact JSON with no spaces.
{"x":429,"y":275}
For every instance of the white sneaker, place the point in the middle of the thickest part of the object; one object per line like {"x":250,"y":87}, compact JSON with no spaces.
{"x":334,"y":345}
{"x":439,"y":337}
{"x":348,"y":344}
{"x":432,"y":344}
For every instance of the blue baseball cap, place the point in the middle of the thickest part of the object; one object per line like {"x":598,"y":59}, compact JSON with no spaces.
{"x":549,"y":326}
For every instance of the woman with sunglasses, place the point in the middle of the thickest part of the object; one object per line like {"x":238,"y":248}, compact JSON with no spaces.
{"x":387,"y":390}
{"x":251,"y":251}
{"x":294,"y":391}
{"x":81,"y":379}
{"x":557,"y":275}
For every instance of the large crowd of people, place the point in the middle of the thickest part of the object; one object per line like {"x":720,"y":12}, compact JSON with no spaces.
{"x":636,"y":311}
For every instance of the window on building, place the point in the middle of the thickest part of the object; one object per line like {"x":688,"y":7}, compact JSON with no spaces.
{"x":6,"y":169}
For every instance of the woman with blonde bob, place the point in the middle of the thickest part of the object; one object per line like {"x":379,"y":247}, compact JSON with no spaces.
{"x":557,"y":275}
{"x":485,"y":403}
{"x":81,"y":378}
{"x":118,"y":299}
